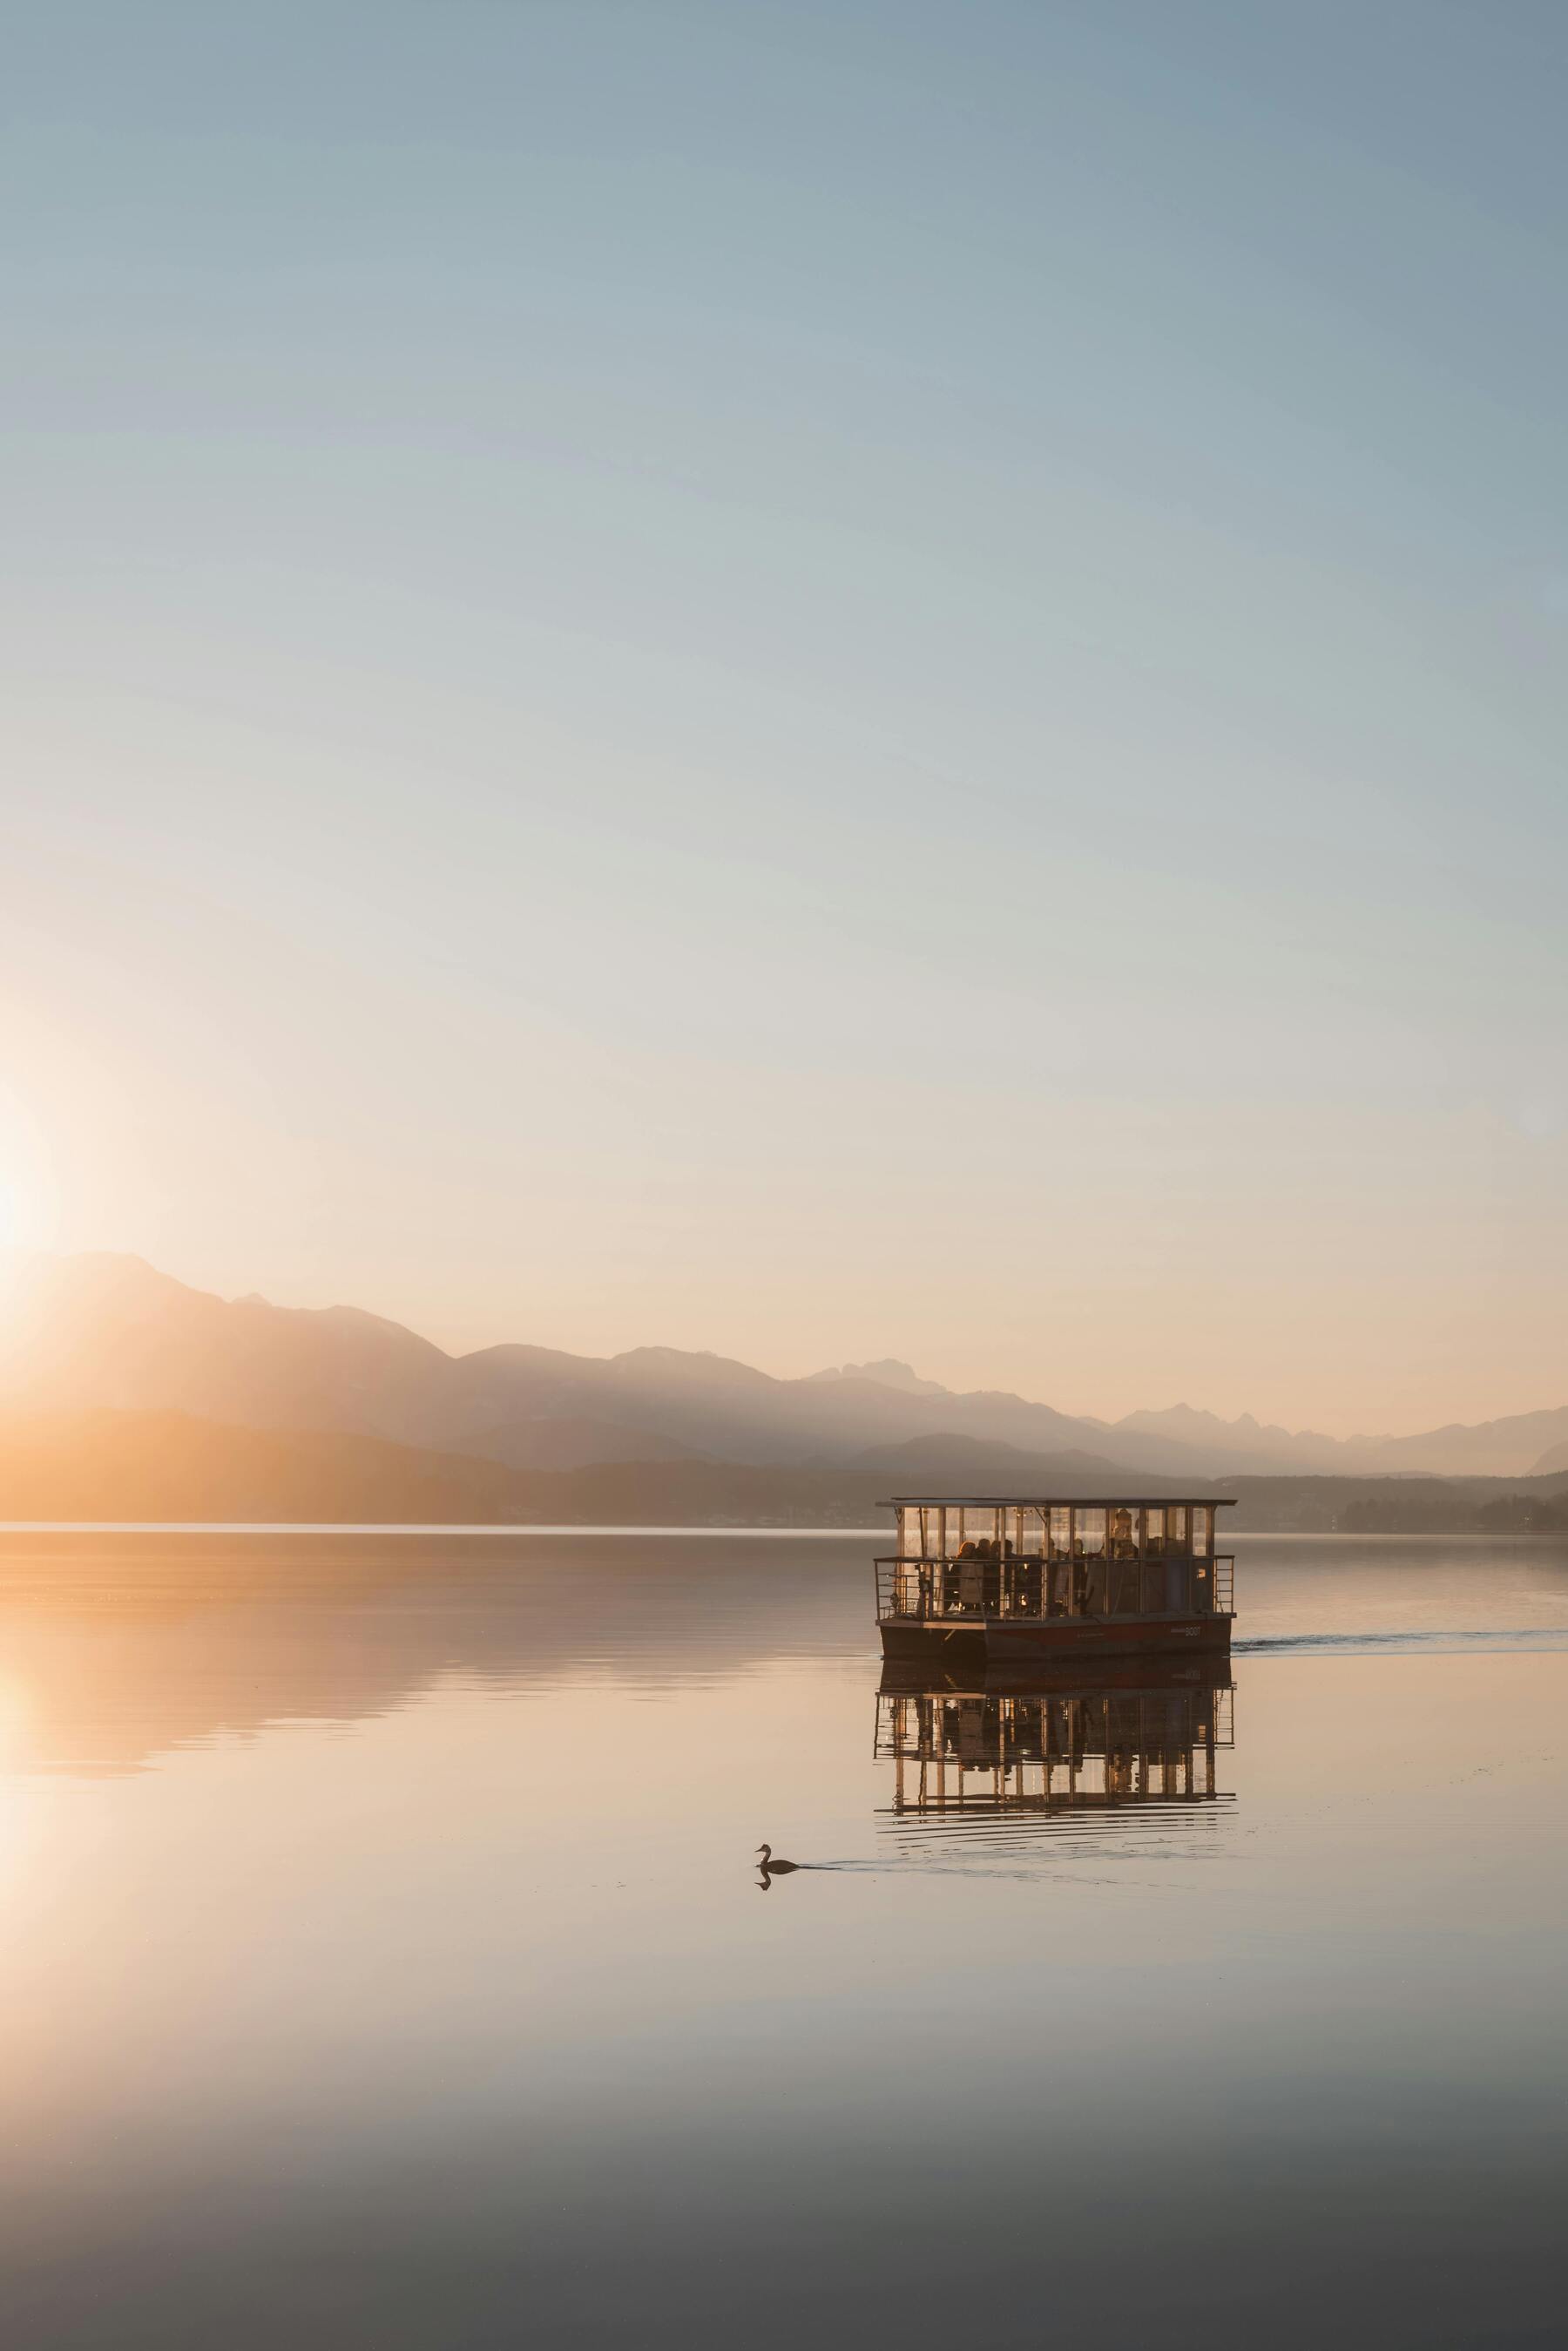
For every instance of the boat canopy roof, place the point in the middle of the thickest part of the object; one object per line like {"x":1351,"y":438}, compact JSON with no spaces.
{"x":1100,"y":1501}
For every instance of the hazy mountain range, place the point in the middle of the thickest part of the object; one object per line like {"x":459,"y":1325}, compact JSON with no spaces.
{"x":106,"y":1465}
{"x":83,"y":1334}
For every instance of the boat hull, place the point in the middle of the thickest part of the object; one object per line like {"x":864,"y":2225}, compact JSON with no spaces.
{"x":933,"y":1674}
{"x":1014,"y":1641}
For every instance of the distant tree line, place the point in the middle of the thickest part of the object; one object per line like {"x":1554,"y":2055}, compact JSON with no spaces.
{"x":1400,"y":1506}
{"x":1392,"y":1514}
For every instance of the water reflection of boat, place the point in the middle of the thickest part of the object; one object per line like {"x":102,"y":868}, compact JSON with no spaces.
{"x":976,"y":1741}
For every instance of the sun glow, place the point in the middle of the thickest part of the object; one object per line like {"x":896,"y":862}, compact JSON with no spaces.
{"x":25,"y":1185}
{"x":21,"y":1221}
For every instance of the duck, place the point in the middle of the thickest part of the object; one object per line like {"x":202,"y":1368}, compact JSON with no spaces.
{"x":772,"y":1868}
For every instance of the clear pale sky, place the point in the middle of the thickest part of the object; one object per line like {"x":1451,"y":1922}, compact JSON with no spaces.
{"x":819,"y":680}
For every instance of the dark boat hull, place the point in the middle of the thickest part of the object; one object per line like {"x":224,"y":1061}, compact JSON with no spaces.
{"x":940,"y":1672}
{"x":1014,"y":1641}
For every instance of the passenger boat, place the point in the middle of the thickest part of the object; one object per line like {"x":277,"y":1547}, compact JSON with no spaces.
{"x":1021,"y":1581}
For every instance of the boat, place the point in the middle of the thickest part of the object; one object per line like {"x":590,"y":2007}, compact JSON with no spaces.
{"x":1023,"y":1582}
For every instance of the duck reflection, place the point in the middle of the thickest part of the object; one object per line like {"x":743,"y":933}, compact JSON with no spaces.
{"x":976,"y":1743}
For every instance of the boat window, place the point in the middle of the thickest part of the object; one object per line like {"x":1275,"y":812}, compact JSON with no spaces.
{"x":1154,"y":1533}
{"x":1090,"y":1533}
{"x":1178,"y":1525}
{"x":1061,"y":1530}
{"x":1202,"y":1530}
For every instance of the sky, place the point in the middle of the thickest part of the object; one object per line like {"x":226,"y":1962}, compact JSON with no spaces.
{"x":827,"y":680}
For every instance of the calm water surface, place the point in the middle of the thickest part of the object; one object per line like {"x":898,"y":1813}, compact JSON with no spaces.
{"x":384,"y":1962}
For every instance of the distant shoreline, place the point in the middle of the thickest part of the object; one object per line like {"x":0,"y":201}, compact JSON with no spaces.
{"x":381,"y":1528}
{"x":109,"y":1469}
{"x":397,"y":1527}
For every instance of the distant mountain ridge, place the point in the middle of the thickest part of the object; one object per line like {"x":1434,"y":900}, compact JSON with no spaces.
{"x":152,"y":1468}
{"x":98,"y":1332}
{"x":103,"y":1465}
{"x":1510,"y":1447}
{"x":887,"y":1374}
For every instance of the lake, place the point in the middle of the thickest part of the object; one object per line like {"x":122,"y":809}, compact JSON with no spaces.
{"x":384,"y":1960}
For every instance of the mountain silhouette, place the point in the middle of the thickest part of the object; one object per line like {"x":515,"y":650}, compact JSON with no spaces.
{"x":103,"y":1466}
{"x":156,"y":1469}
{"x":106,"y":1331}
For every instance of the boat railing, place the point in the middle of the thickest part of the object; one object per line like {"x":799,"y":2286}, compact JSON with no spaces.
{"x":964,"y":1591}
